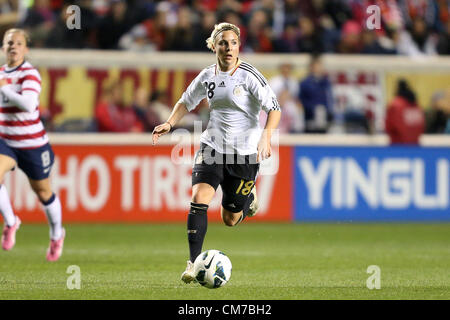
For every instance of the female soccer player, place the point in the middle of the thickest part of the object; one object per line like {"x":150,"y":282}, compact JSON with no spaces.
{"x":232,"y":145}
{"x":24,"y":142}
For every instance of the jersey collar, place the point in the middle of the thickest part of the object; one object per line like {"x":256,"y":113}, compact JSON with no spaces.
{"x":9,"y":70}
{"x":235,"y":68}
{"x":231,"y":72}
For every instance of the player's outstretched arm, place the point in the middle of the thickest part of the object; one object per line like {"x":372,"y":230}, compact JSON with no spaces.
{"x":264,"y":145}
{"x":178,"y":112}
{"x":27,"y":100}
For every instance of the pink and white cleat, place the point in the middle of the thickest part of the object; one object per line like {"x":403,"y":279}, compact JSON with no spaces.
{"x":9,"y":235}
{"x":56,"y":247}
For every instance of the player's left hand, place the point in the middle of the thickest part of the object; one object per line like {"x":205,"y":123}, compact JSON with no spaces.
{"x":264,"y":148}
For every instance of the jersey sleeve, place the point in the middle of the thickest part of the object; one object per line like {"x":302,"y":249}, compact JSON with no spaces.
{"x":27,"y":101}
{"x":263,"y":93}
{"x":194,"y":93}
{"x":28,"y":97}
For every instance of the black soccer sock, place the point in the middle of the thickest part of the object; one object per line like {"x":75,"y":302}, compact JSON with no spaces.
{"x":246,"y":208}
{"x":197,"y":224}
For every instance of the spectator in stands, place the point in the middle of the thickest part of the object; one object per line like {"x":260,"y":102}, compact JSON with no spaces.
{"x":259,"y":33}
{"x":291,"y":12}
{"x":100,"y":7}
{"x":447,"y":128}
{"x":285,"y":86}
{"x":316,"y":97}
{"x":62,"y":37}
{"x":350,"y":38}
{"x":419,"y":41}
{"x":113,"y":116}
{"x":292,"y":118}
{"x":234,"y":17}
{"x":424,"y":9}
{"x":229,"y":5}
{"x":149,"y":35}
{"x":285,"y":80}
{"x":9,"y":14}
{"x":169,"y":9}
{"x":310,"y":40}
{"x":181,"y":37}
{"x":423,"y":37}
{"x":288,"y":41}
{"x":438,"y":115}
{"x":421,"y":26}
{"x":268,"y":6}
{"x":443,"y":45}
{"x":327,"y":18}
{"x":39,"y":20}
{"x":119,"y":20}
{"x":141,"y":107}
{"x":338,"y":11}
{"x":203,"y":30}
{"x":159,"y":106}
{"x":405,"y":121}
{"x":442,"y":14}
{"x":373,"y":43}
{"x":138,"y":39}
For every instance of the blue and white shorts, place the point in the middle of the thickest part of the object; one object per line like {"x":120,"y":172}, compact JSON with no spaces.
{"x":36,"y":163}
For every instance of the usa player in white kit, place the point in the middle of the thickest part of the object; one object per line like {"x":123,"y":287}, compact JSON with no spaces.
{"x":233,"y":143}
{"x":24,"y":142}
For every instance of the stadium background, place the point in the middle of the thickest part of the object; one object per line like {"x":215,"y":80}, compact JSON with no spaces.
{"x":351,"y":174}
{"x":101,"y":179}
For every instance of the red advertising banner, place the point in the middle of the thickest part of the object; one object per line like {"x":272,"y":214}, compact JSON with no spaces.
{"x":138,"y":183}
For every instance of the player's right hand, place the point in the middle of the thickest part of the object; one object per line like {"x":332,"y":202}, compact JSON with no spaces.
{"x":3,"y":82}
{"x":160,"y":130}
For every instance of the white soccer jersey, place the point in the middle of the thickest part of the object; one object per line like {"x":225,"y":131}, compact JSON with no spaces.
{"x":20,"y":124}
{"x":235,"y":100}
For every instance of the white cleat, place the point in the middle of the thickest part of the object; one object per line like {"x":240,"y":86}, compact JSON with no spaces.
{"x":254,"y":206}
{"x":188,"y":275}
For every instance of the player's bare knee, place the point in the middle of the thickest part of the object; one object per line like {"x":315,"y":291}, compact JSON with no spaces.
{"x":6,"y":165}
{"x":202,"y":193}
{"x":2,"y":176}
{"x":228,"y":221}
{"x":42,"y":189}
{"x":43,"y":194}
{"x":201,"y":196}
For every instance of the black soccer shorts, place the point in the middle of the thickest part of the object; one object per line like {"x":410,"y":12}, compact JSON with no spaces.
{"x":236,"y":174}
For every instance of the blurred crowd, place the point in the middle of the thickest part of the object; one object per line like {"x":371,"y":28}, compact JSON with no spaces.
{"x":307,"y":106}
{"x":408,"y":27}
{"x":113,"y":114}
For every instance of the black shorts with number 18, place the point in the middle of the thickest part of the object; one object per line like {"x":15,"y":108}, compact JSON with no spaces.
{"x":236,"y":174}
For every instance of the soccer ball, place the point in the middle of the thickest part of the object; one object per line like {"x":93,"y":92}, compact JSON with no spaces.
{"x":212,"y":269}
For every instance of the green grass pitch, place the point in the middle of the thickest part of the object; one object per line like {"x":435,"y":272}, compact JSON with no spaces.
{"x":270,"y":261}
